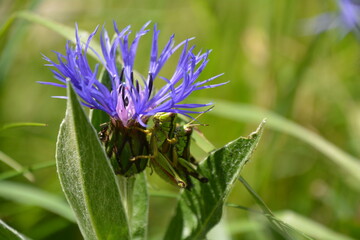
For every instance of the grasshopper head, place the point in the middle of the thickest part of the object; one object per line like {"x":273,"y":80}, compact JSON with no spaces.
{"x":181,"y":184}
{"x":164,"y":118}
{"x":188,"y":129}
{"x":183,"y":131}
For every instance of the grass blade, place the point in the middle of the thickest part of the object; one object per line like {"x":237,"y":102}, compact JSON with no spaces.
{"x":22,"y":124}
{"x":65,"y":31}
{"x":310,"y":227}
{"x":8,"y":233}
{"x":30,"y":195}
{"x":25,"y":170}
{"x":287,"y":231}
{"x":242,"y":112}
{"x":15,"y":165}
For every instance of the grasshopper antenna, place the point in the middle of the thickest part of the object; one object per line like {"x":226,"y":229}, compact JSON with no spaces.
{"x":191,"y":123}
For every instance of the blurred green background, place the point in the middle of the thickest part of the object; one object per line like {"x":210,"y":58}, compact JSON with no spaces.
{"x":259,"y":45}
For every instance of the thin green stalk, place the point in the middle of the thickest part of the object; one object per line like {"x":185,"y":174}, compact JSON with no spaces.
{"x":126,"y":185}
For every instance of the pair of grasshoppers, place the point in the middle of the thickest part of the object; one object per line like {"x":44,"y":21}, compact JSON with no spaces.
{"x":166,"y":145}
{"x":170,"y":156}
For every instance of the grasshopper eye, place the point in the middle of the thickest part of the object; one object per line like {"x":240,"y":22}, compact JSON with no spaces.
{"x":182,"y":184}
{"x":188,"y":130}
{"x":203,"y":179}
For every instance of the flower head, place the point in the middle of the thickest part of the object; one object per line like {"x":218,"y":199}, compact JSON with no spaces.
{"x":350,"y":14}
{"x":347,"y":19}
{"x":129,"y":99}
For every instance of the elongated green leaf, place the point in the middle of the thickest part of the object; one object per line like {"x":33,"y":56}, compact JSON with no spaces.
{"x":8,"y":233}
{"x":241,"y":112}
{"x":87,"y":178}
{"x":30,"y":195}
{"x":200,"y":209}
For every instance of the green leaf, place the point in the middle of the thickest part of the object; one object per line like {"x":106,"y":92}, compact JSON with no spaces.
{"x":8,"y":233}
{"x":242,"y":112}
{"x":30,"y":195}
{"x":200,"y":209}
{"x":87,"y":177}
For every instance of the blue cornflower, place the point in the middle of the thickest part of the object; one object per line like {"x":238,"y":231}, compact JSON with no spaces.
{"x":347,"y":19}
{"x":350,"y":15}
{"x":131,"y":100}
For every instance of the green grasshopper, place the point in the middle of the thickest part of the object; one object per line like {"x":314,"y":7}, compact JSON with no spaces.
{"x":181,"y":156}
{"x":161,"y":140}
{"x":170,"y":151}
